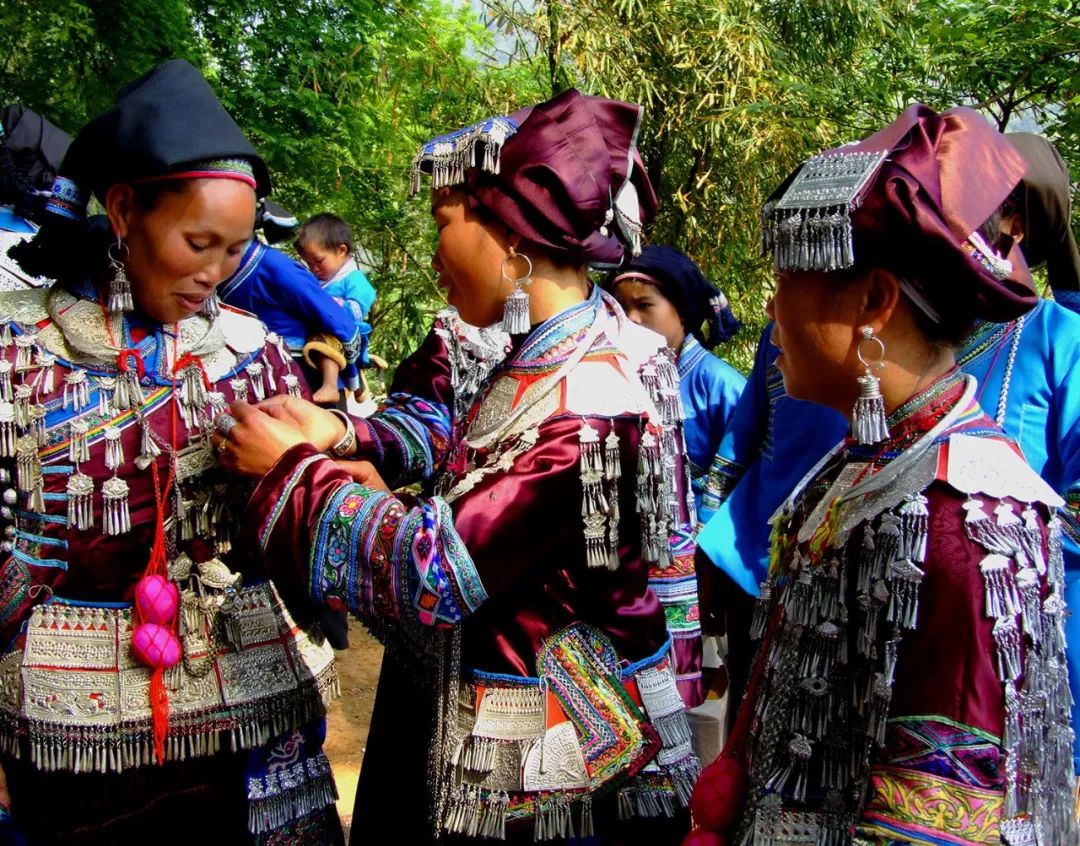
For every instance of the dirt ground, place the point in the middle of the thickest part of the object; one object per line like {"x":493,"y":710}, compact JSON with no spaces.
{"x":350,"y":716}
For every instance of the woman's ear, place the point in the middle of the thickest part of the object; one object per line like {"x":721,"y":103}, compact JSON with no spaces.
{"x":119,"y":208}
{"x":881,"y":294}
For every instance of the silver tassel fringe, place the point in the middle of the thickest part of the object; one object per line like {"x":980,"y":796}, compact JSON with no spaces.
{"x":516,"y":312}
{"x":78,"y":448}
{"x":868,"y":417}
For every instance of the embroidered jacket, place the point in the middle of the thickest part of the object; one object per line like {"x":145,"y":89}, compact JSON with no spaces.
{"x":709,"y":388}
{"x":552,"y":536}
{"x":1028,"y":381}
{"x":911,"y":684}
{"x":99,"y":420}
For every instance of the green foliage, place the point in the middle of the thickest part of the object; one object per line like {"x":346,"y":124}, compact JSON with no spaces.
{"x":337,"y":95}
{"x":739,"y":91}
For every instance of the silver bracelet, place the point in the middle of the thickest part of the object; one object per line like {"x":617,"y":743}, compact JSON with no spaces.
{"x":346,"y":447}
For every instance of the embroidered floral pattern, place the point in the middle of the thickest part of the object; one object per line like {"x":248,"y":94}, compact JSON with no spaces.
{"x":416,"y":561}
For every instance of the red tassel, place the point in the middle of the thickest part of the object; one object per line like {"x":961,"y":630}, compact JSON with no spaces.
{"x":159,"y":706}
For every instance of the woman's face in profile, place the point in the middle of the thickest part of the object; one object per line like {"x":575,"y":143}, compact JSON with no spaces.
{"x":815,"y":329}
{"x":468,"y":258}
{"x":180,"y":250}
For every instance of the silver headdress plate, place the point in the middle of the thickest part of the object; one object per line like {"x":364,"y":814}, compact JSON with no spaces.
{"x":809,"y":226}
{"x":447,"y":157}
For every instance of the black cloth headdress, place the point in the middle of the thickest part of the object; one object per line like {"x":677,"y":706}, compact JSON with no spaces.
{"x":164,"y":123}
{"x":698,"y":302}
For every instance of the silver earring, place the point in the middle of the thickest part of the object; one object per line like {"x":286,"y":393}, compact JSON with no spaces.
{"x":119,"y":299}
{"x":210,"y":306}
{"x":516,"y":311}
{"x":868,"y":417}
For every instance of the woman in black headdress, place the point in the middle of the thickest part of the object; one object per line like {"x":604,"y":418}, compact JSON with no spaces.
{"x":664,"y":290}
{"x":156,"y":688}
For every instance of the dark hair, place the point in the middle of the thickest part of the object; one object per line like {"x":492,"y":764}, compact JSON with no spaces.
{"x":15,"y":186}
{"x":327,"y":231}
{"x":70,"y":251}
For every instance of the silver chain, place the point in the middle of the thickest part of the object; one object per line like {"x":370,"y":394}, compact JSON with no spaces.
{"x":1003,"y":399}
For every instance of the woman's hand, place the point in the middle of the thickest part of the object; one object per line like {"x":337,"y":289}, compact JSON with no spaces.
{"x":319,"y":427}
{"x":255,"y":442}
{"x":364,"y":473}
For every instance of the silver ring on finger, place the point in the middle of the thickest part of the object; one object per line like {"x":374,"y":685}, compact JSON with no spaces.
{"x":224,"y":424}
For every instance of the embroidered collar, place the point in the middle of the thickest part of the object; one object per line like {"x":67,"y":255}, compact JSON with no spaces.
{"x":914,"y":418}
{"x":691,"y":354}
{"x":553,"y":341}
{"x":78,"y":316}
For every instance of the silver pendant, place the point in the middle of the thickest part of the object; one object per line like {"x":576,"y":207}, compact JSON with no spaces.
{"x":80,"y":493}
{"x":78,"y":448}
{"x":115,"y":514}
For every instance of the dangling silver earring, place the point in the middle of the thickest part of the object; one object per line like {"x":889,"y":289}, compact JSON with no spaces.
{"x":516,"y":311}
{"x":119,"y":299}
{"x":210,"y":306}
{"x":868,"y":418}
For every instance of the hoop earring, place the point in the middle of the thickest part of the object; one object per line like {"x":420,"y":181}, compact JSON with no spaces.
{"x":119,"y":299}
{"x":868,"y":422}
{"x":516,"y":310}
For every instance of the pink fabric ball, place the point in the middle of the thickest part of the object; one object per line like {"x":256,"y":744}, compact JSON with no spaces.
{"x":155,"y":646}
{"x":701,"y":837}
{"x":156,"y":600}
{"x":719,"y":794}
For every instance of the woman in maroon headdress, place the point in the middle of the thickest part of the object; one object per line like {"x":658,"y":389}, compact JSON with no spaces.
{"x":910,"y":685}
{"x":532,"y":682}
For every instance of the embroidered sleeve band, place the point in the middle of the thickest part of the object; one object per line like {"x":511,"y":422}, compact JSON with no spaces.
{"x":372,"y":553}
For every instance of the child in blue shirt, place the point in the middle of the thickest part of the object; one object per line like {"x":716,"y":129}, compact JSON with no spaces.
{"x":324,"y":243}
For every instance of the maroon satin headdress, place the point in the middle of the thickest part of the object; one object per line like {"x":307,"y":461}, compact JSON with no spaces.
{"x":565,"y":174}
{"x":909,"y":198}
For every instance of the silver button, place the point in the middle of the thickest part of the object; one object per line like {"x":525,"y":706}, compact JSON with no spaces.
{"x":11,"y":496}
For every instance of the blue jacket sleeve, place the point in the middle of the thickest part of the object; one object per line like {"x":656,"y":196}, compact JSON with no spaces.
{"x":744,"y":434}
{"x":299,"y":291}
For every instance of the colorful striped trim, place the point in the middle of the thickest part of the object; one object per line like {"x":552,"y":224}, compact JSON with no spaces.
{"x":239,"y":169}
{"x":283,"y":499}
{"x":96,"y":433}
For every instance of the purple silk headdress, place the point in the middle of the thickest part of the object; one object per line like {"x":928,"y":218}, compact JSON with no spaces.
{"x":909,"y":198}
{"x":565,"y":174}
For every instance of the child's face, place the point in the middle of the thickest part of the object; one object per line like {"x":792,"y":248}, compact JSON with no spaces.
{"x":324,"y":262}
{"x":646,"y":306}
